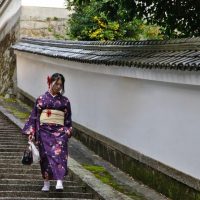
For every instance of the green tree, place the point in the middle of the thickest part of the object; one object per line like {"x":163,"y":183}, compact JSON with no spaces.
{"x":108,"y":20}
{"x":180,"y":18}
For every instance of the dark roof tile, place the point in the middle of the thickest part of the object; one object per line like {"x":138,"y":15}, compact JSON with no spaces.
{"x":178,"y":54}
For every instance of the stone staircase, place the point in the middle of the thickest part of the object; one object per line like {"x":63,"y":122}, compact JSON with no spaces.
{"x":25,"y":182}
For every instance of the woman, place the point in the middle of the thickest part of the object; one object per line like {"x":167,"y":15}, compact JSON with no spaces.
{"x":51,"y":125}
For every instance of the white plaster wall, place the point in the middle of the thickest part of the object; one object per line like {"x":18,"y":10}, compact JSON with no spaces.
{"x":131,"y":106}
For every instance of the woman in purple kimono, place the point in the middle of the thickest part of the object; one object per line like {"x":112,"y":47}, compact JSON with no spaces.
{"x":51,"y":125}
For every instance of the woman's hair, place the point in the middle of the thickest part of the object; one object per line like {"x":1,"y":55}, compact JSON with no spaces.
{"x":55,"y":77}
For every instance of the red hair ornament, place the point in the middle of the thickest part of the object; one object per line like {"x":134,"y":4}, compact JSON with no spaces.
{"x":49,"y":81}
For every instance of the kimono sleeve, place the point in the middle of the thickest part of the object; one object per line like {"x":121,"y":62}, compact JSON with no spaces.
{"x":68,"y":120}
{"x":30,"y":126}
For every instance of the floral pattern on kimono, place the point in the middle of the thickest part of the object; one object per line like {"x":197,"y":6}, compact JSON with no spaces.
{"x":52,"y":138}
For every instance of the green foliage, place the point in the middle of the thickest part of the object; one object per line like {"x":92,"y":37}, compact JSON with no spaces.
{"x":58,"y":36}
{"x":55,"y":18}
{"x":108,"y":20}
{"x":179,"y":18}
{"x":50,"y":29}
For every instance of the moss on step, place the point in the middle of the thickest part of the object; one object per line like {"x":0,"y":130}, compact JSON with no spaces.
{"x":15,"y":107}
{"x":103,"y":175}
{"x":10,"y":100}
{"x":17,"y":113}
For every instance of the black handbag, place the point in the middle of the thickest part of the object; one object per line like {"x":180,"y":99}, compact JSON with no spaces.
{"x":27,"y":158}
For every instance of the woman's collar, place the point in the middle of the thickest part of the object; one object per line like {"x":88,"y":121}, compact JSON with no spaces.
{"x":52,"y":94}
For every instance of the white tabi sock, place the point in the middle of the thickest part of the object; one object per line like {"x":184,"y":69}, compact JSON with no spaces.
{"x":59,"y":185}
{"x":46,"y":186}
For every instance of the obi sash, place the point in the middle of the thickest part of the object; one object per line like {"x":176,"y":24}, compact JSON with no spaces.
{"x":52,"y":117}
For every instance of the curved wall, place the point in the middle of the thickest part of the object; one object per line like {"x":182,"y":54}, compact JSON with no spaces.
{"x":155,"y":112}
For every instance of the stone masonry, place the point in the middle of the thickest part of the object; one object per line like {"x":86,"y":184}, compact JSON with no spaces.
{"x":8,"y":59}
{"x":19,"y":21}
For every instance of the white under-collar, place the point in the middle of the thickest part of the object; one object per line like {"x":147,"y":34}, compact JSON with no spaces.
{"x":52,"y":94}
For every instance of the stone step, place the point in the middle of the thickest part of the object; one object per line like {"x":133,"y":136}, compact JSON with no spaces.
{"x":18,"y":165}
{"x":24,"y":176}
{"x":7,"y":124}
{"x":8,"y":131}
{"x":36,"y":194}
{"x":13,"y":149}
{"x":13,"y":139}
{"x":33,"y":187}
{"x":11,"y":133}
{"x":13,"y":136}
{"x":20,"y":176}
{"x":23,"y":169}
{"x":11,"y":157}
{"x":4,"y":119}
{"x":18,"y":181}
{"x":10,"y":161}
{"x":12,"y":146}
{"x":11,"y":130}
{"x":36,"y":182}
{"x":5,"y":128}
{"x":13,"y":142}
{"x":16,"y":136}
{"x":30,"y":198}
{"x":15,"y":154}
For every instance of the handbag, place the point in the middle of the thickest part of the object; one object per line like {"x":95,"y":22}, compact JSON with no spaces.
{"x":35,"y":152}
{"x":27,"y":158}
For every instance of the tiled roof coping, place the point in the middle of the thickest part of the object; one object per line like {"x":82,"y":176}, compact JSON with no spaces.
{"x":178,"y":54}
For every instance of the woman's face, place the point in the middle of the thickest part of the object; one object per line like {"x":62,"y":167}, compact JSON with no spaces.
{"x":57,"y":86}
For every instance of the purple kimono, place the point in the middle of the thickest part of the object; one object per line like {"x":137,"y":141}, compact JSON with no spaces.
{"x":52,"y":139}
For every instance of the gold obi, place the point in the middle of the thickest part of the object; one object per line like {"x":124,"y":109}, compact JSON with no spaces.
{"x":52,"y":117}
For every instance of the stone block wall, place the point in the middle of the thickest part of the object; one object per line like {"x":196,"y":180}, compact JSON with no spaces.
{"x":9,"y":34}
{"x":39,"y":22}
{"x":50,"y":28}
{"x":8,"y":60}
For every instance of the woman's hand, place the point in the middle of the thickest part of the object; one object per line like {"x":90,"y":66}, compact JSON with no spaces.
{"x":69,"y":132}
{"x":31,"y":137}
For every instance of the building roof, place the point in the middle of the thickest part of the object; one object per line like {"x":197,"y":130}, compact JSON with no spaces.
{"x":178,"y":54}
